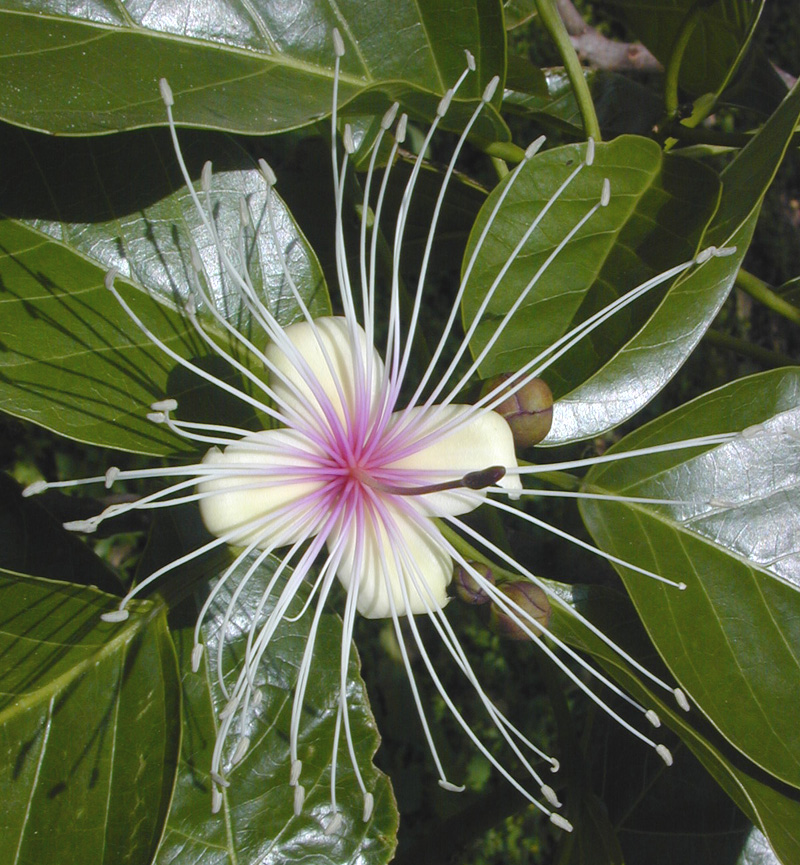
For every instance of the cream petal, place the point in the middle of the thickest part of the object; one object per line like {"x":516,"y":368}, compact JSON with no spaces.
{"x":231,"y":506}
{"x":334,"y":335}
{"x":480,"y":442}
{"x":427,"y":562}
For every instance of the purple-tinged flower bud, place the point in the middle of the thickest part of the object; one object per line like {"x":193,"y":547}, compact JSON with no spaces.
{"x":468,"y":589}
{"x":528,"y":411}
{"x":528,"y":598}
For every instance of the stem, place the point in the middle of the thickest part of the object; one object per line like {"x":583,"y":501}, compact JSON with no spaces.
{"x":558,"y":33}
{"x":761,"y":292}
{"x":505,"y":150}
{"x":747,"y":349}
{"x":676,"y":56}
{"x":470,"y":553}
{"x":500,"y":167}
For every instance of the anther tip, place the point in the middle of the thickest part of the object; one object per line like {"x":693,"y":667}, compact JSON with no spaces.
{"x":561,"y":822}
{"x":605,"y":195}
{"x":444,"y":103}
{"x":347,"y":138}
{"x":267,"y":172}
{"x":115,"y":616}
{"x":156,"y":416}
{"x":216,"y":800}
{"x":299,"y":798}
{"x":166,"y":92}
{"x":550,"y":794}
{"x":205,"y":176}
{"x":664,"y":752}
{"x":682,"y":587}
{"x":334,"y":824}
{"x":197,"y":656}
{"x":85,"y":526}
{"x":590,"y":151}
{"x":470,"y":59}
{"x":451,"y":787}
{"x":402,"y":126}
{"x":491,"y":89}
{"x":338,"y":42}
{"x":388,"y":118}
{"x":294,"y":773}
{"x":555,"y":765}
{"x":111,"y":275}
{"x":242,"y":747}
{"x":533,"y":148}
{"x":369,"y":804}
{"x":34,"y":489}
{"x":112,"y":473}
{"x":653,"y":718}
{"x":680,"y":699}
{"x":165,"y":405}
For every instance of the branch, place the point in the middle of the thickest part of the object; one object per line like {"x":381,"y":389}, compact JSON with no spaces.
{"x":601,"y":52}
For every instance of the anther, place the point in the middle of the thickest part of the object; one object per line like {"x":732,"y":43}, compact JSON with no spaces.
{"x":85,"y":526}
{"x":724,"y":252}
{"x":534,"y":147}
{"x":242,"y":747}
{"x":112,"y":473}
{"x":555,"y":765}
{"x":219,"y":780}
{"x":388,"y":119}
{"x":451,"y":787}
{"x":156,"y":416}
{"x":267,"y":172}
{"x":402,"y":126}
{"x":34,"y":489}
{"x":338,"y":42}
{"x":753,"y":431}
{"x":721,"y":503}
{"x":165,"y":405}
{"x":590,"y":151}
{"x":197,"y":261}
{"x":704,"y":255}
{"x":257,"y":698}
{"x":653,"y":718}
{"x":190,"y":307}
{"x":680,"y":699}
{"x":244,"y":212}
{"x":561,"y":822}
{"x":444,"y":103}
{"x":664,"y":753}
{"x":369,"y":804}
{"x":115,"y":616}
{"x":111,"y":275}
{"x":334,"y":824}
{"x":228,"y":709}
{"x":605,"y":195}
{"x":205,"y":176}
{"x":294,"y":774}
{"x":470,"y":60}
{"x":550,"y":794}
{"x":349,"y":143}
{"x":491,"y":88}
{"x":166,"y":92}
{"x":299,"y":798}
{"x":197,"y":656}
{"x":216,"y":800}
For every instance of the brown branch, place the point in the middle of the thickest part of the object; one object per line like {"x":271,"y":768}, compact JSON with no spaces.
{"x":601,"y":52}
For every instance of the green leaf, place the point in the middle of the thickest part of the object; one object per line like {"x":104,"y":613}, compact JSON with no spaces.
{"x":74,"y":360}
{"x":257,"y":68}
{"x":654,"y":354}
{"x":89,"y":713}
{"x":716,"y":46}
{"x":659,"y":209}
{"x":774,"y":807}
{"x":731,"y":638}
{"x":33,"y":542}
{"x":257,"y":818}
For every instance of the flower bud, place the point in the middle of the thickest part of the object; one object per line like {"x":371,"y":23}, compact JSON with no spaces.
{"x":528,"y":598}
{"x":528,"y":411}
{"x":467,"y":588}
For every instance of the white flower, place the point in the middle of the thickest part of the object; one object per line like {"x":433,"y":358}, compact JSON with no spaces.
{"x":351,"y":483}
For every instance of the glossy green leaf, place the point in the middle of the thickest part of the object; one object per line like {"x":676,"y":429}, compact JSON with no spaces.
{"x":654,"y":354}
{"x":773,"y":806}
{"x":89,"y":713}
{"x":257,"y":821}
{"x":256,"y":68}
{"x":74,"y":360}
{"x":732,"y":638}
{"x":658,"y":211}
{"x":717,"y":43}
